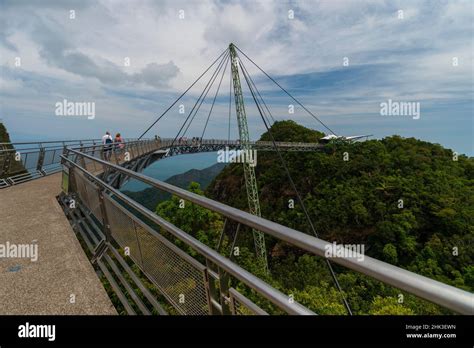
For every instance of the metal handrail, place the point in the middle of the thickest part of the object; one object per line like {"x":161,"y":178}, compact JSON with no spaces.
{"x":83,"y":149}
{"x":38,"y":148}
{"x":59,"y":144}
{"x":442,"y":294}
{"x":39,"y":160}
{"x":48,"y":141}
{"x":166,"y":143}
{"x":43,"y":158}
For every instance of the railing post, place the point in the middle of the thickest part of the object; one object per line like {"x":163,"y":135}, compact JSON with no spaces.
{"x":82,"y":159}
{"x":101,"y":153}
{"x":39,"y":164}
{"x":212,"y":292}
{"x":65,"y":152}
{"x":224,"y":292}
{"x":114,"y":149}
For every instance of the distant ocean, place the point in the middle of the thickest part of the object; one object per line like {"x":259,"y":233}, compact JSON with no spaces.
{"x":165,"y":168}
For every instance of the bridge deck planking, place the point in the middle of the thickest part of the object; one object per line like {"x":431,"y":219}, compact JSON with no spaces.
{"x":30,"y":212}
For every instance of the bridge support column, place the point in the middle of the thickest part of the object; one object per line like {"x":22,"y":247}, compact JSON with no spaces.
{"x":249,"y":171}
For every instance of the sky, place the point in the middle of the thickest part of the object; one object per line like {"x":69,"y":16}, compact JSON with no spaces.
{"x":341,"y":59}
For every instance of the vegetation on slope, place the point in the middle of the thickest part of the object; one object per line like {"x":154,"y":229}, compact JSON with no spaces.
{"x":409,"y":202}
{"x":4,"y":136}
{"x":16,"y":167}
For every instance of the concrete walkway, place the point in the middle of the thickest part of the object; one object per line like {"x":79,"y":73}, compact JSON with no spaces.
{"x":30,"y":214}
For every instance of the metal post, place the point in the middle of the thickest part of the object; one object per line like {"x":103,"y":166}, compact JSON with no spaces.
{"x":39,"y":164}
{"x":211,"y":288}
{"x":115,"y":154}
{"x":224,"y":292}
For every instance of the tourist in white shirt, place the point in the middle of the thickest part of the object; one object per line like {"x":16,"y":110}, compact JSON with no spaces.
{"x":107,"y":142}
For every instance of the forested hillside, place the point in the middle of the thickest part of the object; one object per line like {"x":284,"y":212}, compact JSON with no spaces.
{"x":4,"y":136}
{"x":15,"y":166}
{"x":410,"y":202}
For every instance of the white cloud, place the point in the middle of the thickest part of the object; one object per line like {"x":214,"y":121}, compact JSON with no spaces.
{"x":84,"y":57}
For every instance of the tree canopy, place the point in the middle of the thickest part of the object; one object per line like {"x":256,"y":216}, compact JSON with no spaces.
{"x":409,"y":202}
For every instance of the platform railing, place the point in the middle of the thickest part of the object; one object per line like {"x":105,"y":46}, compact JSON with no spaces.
{"x":24,"y":161}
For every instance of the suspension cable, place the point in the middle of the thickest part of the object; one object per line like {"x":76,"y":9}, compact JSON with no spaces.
{"x":215,"y":96}
{"x":258,"y":93}
{"x":185,"y":121}
{"x":169,"y":108}
{"x":230,"y":101}
{"x":288,"y":93}
{"x":285,"y":167}
{"x":208,"y":88}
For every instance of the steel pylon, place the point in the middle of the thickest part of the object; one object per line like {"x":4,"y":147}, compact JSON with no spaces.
{"x":249,"y":170}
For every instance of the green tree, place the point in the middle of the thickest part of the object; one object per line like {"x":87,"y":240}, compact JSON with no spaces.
{"x":388,"y":306}
{"x":199,"y":222}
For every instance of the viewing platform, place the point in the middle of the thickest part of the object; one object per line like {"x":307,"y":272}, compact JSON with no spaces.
{"x":61,"y":281}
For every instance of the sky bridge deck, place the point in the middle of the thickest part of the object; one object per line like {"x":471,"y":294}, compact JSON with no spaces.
{"x":61,"y":280}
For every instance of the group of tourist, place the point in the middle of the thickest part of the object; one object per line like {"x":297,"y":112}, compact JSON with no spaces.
{"x":185,"y":141}
{"x":117,"y":144}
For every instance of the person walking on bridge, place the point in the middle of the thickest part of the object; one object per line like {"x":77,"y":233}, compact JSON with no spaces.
{"x":119,"y":145}
{"x":107,"y":142}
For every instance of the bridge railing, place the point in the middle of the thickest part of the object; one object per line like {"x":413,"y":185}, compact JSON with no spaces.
{"x":23,"y":161}
{"x":117,"y":153}
{"x":216,"y":266}
{"x":257,"y":144}
{"x":189,"y":284}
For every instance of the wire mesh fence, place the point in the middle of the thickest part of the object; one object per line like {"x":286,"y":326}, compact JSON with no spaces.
{"x":179,"y":277}
{"x":88,"y":192}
